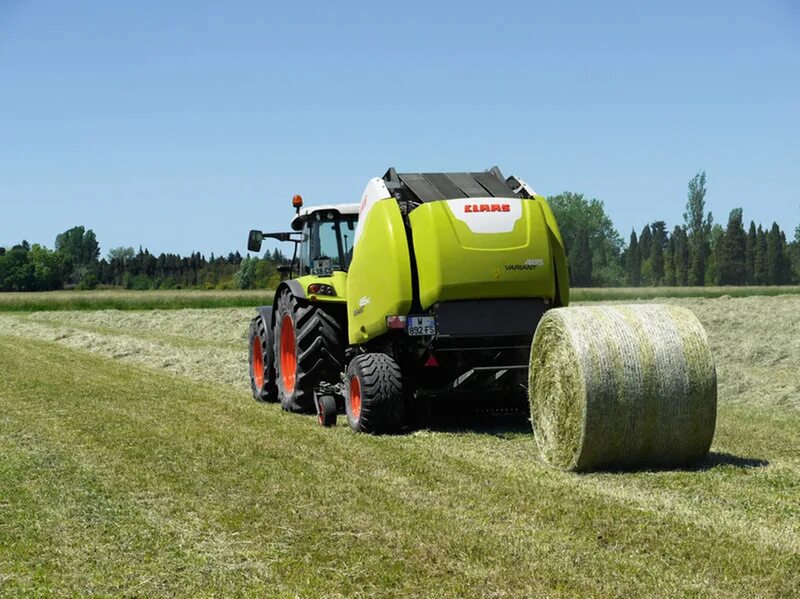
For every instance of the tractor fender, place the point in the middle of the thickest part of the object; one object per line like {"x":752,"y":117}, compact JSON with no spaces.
{"x":265,"y":312}
{"x":295,"y":288}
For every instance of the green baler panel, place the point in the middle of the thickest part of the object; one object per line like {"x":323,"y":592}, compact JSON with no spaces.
{"x":379,"y":279}
{"x":475,"y":249}
{"x":559,"y":253}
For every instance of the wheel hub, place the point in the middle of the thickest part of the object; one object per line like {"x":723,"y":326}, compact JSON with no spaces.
{"x":288,"y":354}
{"x":355,"y":397}
{"x":258,"y":363}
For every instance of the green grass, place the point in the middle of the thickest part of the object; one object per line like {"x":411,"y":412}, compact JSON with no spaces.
{"x":179,"y":299}
{"x":128,"y":469}
{"x":131,"y":300}
{"x":595,"y":294}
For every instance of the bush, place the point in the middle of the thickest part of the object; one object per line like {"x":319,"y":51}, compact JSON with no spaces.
{"x":88,"y":282}
{"x":140,"y":283}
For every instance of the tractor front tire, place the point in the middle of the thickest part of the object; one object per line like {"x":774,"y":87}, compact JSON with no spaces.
{"x":262,"y":364}
{"x":374,"y":399}
{"x":309,"y":350}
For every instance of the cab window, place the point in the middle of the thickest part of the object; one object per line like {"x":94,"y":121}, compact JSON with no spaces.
{"x":327,"y":240}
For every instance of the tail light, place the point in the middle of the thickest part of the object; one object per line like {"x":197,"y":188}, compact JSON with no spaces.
{"x":396,"y":322}
{"x":320,"y":289}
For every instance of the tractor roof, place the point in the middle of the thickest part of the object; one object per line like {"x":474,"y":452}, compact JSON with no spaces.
{"x":335,"y":209}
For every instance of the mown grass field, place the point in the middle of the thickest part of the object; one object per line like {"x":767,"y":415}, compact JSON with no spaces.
{"x":118,"y":299}
{"x":594,"y":294}
{"x":133,"y":462}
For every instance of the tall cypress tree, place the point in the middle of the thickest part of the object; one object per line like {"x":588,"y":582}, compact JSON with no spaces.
{"x":669,"y":263}
{"x":715,"y":249}
{"x":760,"y":270}
{"x":775,"y":256}
{"x":645,"y":239}
{"x":633,"y":261}
{"x":581,"y":260}
{"x":718,"y":261}
{"x":750,"y":254}
{"x":732,"y":252}
{"x":698,"y":226}
{"x":657,"y":247}
{"x":681,"y":256}
{"x":786,"y":271}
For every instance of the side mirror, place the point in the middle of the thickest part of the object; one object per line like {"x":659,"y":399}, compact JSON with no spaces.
{"x":254,"y":240}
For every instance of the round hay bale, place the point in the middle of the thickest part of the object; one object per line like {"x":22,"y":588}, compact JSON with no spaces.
{"x":622,"y":386}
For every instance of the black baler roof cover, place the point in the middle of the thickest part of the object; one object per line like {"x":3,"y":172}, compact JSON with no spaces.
{"x":430,"y":187}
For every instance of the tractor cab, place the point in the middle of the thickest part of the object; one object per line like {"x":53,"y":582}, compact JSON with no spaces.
{"x":323,"y":238}
{"x":326,"y":238}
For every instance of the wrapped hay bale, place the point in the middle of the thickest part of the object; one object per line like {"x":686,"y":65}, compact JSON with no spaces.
{"x":622,"y":386}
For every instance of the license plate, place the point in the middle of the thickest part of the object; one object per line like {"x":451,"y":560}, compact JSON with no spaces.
{"x":322,"y":267}
{"x":419,"y":326}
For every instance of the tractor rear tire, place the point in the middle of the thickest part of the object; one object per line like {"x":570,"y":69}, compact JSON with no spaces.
{"x":262,"y":363}
{"x":374,"y":400}
{"x":309,"y":350}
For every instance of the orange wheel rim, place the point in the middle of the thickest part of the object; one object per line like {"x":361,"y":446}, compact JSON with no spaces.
{"x":355,"y":397}
{"x":288,"y":354}
{"x":258,"y":363}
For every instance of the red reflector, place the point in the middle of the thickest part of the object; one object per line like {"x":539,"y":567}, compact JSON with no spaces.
{"x":431,"y":361}
{"x":396,"y":322}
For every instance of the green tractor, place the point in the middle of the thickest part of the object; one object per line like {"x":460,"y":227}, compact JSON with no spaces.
{"x":430,"y":288}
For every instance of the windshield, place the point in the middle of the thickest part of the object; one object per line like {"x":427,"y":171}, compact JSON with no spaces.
{"x":327,"y":245}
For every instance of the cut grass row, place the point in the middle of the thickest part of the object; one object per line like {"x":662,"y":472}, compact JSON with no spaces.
{"x":755,"y":341}
{"x":131,"y":300}
{"x":126,"y":481}
{"x":149,"y":300}
{"x":595,"y":294}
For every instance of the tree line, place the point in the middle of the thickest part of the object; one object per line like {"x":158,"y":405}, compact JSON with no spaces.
{"x":697,"y":252}
{"x":75,"y":263}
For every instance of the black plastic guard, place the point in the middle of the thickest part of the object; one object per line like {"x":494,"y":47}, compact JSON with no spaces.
{"x":489,"y":318}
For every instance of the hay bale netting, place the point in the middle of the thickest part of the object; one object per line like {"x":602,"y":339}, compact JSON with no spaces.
{"x":622,"y":386}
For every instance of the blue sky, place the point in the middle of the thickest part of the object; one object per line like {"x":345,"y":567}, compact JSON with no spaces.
{"x":180,"y":125}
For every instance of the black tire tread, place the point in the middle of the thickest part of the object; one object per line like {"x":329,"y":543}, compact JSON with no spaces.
{"x":327,"y":407}
{"x":320,"y":350}
{"x":383,"y":402}
{"x":269,"y":392}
